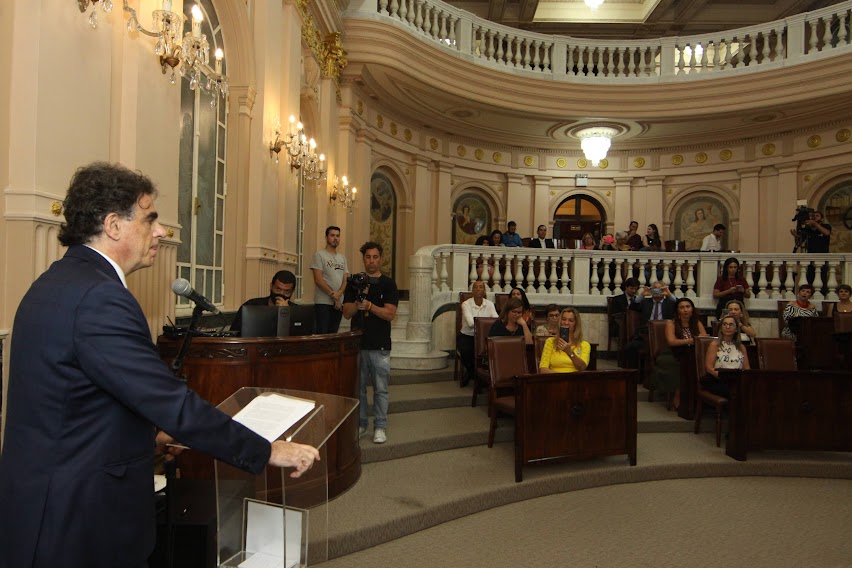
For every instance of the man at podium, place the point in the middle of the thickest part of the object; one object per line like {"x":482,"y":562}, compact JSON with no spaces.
{"x":87,"y":391}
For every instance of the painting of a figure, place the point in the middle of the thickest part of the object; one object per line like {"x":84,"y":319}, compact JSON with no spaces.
{"x":836,"y":206}
{"x":472,"y":218}
{"x":695,"y":219}
{"x":383,"y":219}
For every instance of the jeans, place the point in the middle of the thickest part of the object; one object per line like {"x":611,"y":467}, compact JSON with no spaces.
{"x":326,"y":318}
{"x":374,"y":369}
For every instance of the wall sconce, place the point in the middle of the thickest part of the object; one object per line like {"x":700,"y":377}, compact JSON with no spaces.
{"x":192,"y":53}
{"x":275,"y":146}
{"x":341,"y":194}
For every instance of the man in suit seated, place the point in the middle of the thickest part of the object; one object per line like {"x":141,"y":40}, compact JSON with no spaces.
{"x":87,"y":390}
{"x":621,"y":303}
{"x":654,"y":303}
{"x":541,"y":241}
{"x":280,"y":291}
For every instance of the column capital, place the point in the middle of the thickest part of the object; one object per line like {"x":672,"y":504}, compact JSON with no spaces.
{"x":656,"y":179}
{"x":622,"y":181}
{"x":749,"y":172}
{"x":513,"y":177}
{"x":543,"y":180}
{"x":365,"y":136}
{"x":444,"y":167}
{"x":420,"y":161}
{"x":787,"y":168}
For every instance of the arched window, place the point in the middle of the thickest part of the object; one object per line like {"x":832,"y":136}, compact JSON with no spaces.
{"x":201,"y":181}
{"x":578,"y":215}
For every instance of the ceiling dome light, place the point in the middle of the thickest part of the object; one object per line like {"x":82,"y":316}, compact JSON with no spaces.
{"x":594,"y":4}
{"x":595,"y":142}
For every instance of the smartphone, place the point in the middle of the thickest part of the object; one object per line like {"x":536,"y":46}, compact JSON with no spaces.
{"x":565,"y":333}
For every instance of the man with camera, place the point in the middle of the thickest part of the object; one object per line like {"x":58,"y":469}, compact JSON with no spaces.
{"x":812,"y":234}
{"x":370,"y":302}
{"x":280,"y":291}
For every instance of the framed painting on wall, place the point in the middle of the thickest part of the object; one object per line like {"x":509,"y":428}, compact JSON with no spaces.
{"x":695,"y":217}
{"x":836,"y":206}
{"x":472,"y":218}
{"x":383,"y":219}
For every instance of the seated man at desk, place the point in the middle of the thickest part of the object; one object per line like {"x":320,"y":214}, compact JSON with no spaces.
{"x":280,"y":291}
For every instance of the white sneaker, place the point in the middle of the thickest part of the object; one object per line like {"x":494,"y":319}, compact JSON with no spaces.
{"x":379,"y":437}
{"x":361,"y":431}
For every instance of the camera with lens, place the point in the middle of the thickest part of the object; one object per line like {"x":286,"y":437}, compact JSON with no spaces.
{"x":359,"y":282}
{"x":803,"y":214}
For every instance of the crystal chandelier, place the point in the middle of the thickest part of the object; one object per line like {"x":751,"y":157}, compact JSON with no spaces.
{"x":594,"y":4}
{"x":192,"y":53}
{"x":341,"y":194}
{"x":595,"y":142}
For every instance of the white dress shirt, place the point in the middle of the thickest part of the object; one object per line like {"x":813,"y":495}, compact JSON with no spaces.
{"x":470,"y":310}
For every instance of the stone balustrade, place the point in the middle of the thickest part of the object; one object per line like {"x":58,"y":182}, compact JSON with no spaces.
{"x":790,"y":41}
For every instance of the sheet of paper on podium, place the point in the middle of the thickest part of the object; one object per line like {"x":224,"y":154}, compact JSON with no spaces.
{"x":259,"y":560}
{"x":272,"y":414}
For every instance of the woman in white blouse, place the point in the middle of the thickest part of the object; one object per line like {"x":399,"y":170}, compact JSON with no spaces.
{"x":725,"y":352}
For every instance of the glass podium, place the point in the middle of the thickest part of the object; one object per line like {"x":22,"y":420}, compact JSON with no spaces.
{"x":270,"y":519}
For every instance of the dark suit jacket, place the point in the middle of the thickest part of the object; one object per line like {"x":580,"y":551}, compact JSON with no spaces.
{"x":646,"y":307}
{"x":620,"y":304}
{"x":86,"y":388}
{"x":535,"y":243}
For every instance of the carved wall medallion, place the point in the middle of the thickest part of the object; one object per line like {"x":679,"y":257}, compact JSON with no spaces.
{"x":639,"y":162}
{"x":814,"y":141}
{"x":407,"y":135}
{"x":461,"y":151}
{"x":360,"y":108}
{"x":528,"y":160}
{"x":677,"y":160}
{"x":843,"y":135}
{"x":725,"y":155}
{"x":561,"y":163}
{"x":480,"y":153}
{"x":380,"y":121}
{"x":56,"y":208}
{"x":582,"y":163}
{"x":393,"y":128}
{"x":170,"y":233}
{"x":497,"y":157}
{"x":768,"y":149}
{"x":433,"y":143}
{"x":700,"y":158}
{"x":604,"y":164}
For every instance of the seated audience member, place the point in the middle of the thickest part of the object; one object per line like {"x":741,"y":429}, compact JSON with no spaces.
{"x":608,"y":242}
{"x":737,"y":309}
{"x":511,"y":238}
{"x":280,"y":291}
{"x":843,"y":304}
{"x":680,"y":334}
{"x":713,"y":241}
{"x":588,"y":242}
{"x":653,"y":242}
{"x":621,"y":242}
{"x":801,"y":307}
{"x":512,"y":322}
{"x":522,"y":296}
{"x":497,"y":238}
{"x":725,"y":352}
{"x":477,"y":306}
{"x":483,"y":240}
{"x":542,"y":241}
{"x":730,"y":285}
{"x":634,"y":239}
{"x":551,"y":326}
{"x":567,"y":352}
{"x":654,"y":303}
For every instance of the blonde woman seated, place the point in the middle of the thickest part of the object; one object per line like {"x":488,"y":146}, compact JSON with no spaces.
{"x":567,"y":352}
{"x":737,"y":309}
{"x":725,"y":352}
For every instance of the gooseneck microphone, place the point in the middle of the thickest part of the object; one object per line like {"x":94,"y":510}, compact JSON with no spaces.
{"x":181,"y":287}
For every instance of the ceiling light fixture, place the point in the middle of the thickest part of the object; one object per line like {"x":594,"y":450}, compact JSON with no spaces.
{"x":594,"y":4}
{"x":595,"y":142}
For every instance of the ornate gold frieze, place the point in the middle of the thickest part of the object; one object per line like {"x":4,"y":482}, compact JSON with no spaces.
{"x":528,"y":161}
{"x":814,"y":141}
{"x":768,"y":149}
{"x":407,"y":134}
{"x":700,"y":158}
{"x":328,"y":50}
{"x":604,"y":164}
{"x":497,"y":157}
{"x":843,"y":135}
{"x":393,"y":128}
{"x":561,"y":162}
{"x":639,"y":162}
{"x":433,"y":143}
{"x":677,"y":159}
{"x":725,"y":155}
{"x":461,"y":151}
{"x":479,"y":154}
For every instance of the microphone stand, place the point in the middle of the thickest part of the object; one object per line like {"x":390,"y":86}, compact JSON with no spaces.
{"x":170,"y":467}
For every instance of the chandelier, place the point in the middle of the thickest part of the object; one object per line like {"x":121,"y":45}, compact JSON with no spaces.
{"x":191,"y":53}
{"x":595,"y":142}
{"x":594,"y":4}
{"x":341,"y":194}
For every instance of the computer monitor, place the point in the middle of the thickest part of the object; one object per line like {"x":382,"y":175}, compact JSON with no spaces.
{"x":277,"y":321}
{"x":265,"y":321}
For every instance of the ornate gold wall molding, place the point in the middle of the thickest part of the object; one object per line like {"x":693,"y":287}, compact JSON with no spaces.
{"x":327,"y":50}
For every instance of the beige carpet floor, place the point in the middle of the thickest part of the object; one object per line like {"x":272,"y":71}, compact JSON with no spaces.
{"x":751,"y":522}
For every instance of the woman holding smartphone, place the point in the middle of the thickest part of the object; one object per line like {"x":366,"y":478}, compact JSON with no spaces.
{"x":567,"y":352}
{"x":730,"y":285}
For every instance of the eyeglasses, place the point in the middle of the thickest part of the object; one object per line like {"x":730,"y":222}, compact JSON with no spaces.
{"x":729,"y":324}
{"x":556,"y":315}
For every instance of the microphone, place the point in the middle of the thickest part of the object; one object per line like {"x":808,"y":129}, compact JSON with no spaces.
{"x":181,"y":287}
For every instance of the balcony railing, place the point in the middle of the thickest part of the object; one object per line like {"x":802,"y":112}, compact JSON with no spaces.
{"x":793,"y":40}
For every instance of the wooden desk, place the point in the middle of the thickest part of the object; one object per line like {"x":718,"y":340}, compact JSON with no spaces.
{"x":689,"y":380}
{"x":814,"y":347}
{"x":216,"y":367}
{"x":567,"y":416}
{"x":788,"y":410}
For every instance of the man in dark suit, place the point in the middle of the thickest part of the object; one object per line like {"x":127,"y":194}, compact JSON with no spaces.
{"x":87,"y":388}
{"x":621,"y":303}
{"x":654,"y":303}
{"x":541,"y":241}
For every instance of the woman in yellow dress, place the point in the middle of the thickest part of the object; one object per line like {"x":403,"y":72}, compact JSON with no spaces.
{"x":567,"y":352}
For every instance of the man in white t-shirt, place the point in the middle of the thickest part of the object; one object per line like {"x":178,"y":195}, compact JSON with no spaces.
{"x":330,"y":274}
{"x":713,"y":241}
{"x":476,"y":307}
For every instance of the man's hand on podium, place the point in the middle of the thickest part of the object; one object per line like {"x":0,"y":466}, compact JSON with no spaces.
{"x":291,"y":454}
{"x":166,"y":446}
